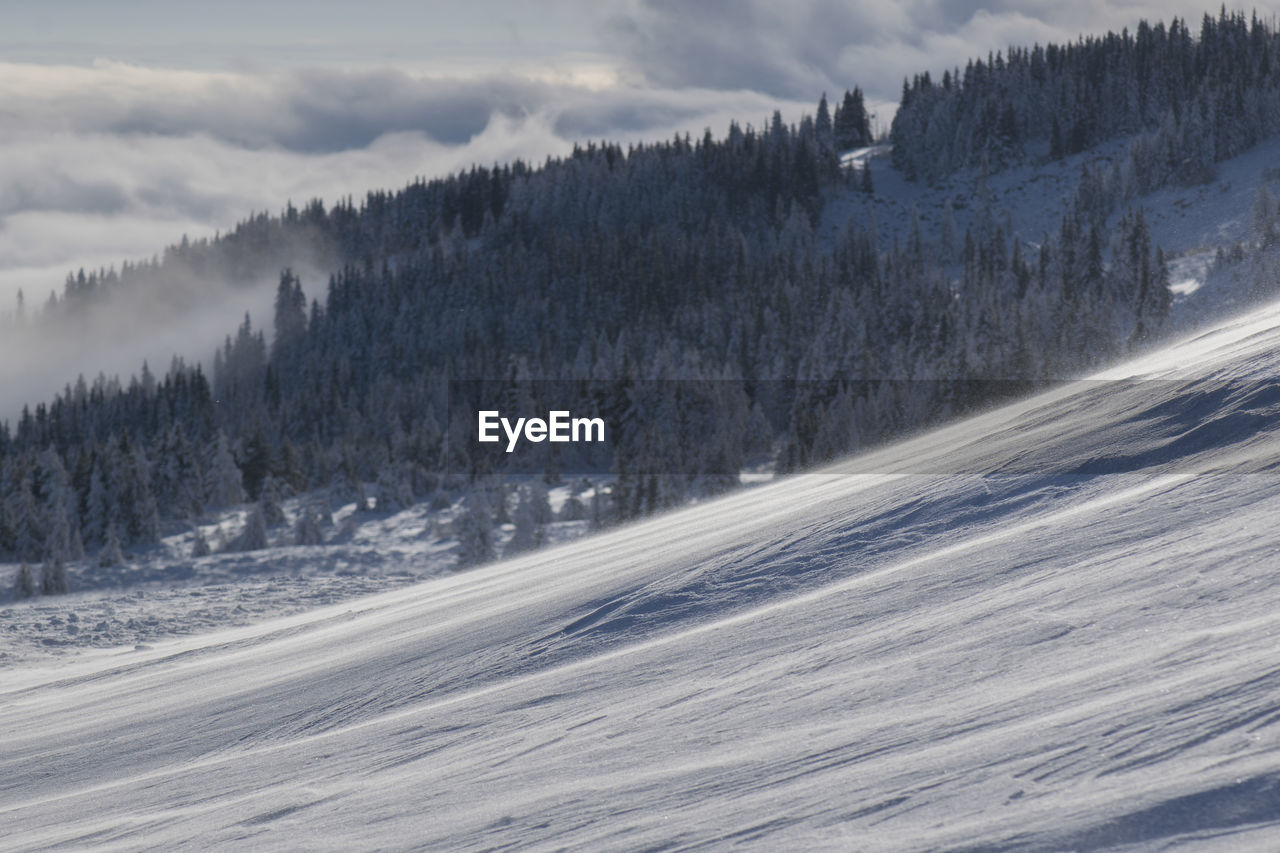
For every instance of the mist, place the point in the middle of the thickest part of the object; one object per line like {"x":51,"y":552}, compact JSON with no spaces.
{"x":175,"y":154}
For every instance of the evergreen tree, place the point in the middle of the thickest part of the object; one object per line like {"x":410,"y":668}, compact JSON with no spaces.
{"x":531,"y":517}
{"x":254,"y":535}
{"x":24,"y":583}
{"x":474,"y":529}
{"x":307,"y":531}
{"x":110,"y":554}
{"x":1264,"y":215}
{"x":54,"y":577}
{"x":822,"y":126}
{"x":224,"y":484}
{"x":290,"y":316}
{"x":852,"y":126}
{"x":200,"y":547}
{"x":270,"y":502}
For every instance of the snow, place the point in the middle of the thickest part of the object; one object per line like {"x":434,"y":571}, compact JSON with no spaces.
{"x":1030,"y":197}
{"x":1051,"y":626}
{"x":1188,"y":223}
{"x":857,"y":157}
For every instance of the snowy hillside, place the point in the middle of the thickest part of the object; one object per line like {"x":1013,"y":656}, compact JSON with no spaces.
{"x":1048,"y":627}
{"x":1189,"y":223}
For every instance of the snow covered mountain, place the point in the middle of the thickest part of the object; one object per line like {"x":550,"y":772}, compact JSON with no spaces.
{"x":1051,"y":626}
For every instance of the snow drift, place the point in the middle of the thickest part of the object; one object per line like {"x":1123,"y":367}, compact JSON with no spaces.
{"x":1051,"y":626}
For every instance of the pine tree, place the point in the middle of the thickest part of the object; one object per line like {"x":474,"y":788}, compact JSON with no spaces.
{"x":474,"y":529}
{"x":290,"y":316}
{"x":54,"y":577}
{"x":573,"y":509}
{"x":200,"y":547}
{"x":24,"y":518}
{"x":24,"y":583}
{"x":141,"y":514}
{"x":1264,"y":215}
{"x":224,"y":487}
{"x":307,"y":531}
{"x":601,"y":508}
{"x":270,"y":502}
{"x":254,"y":535}
{"x":539,"y":502}
{"x":393,"y":493}
{"x":531,"y":517}
{"x":257,"y":462}
{"x":823,"y":128}
{"x":111,"y":555}
{"x":101,"y":515}
{"x":852,"y":125}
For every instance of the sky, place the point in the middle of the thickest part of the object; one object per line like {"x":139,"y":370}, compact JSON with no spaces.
{"x":125,"y":125}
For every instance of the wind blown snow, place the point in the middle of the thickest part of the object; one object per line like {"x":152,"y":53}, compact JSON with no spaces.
{"x":1051,"y":626}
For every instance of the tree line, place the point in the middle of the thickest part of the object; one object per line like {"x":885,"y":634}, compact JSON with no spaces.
{"x":686,"y":278}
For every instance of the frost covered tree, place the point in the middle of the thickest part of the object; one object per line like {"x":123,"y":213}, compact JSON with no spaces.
{"x":393,"y":492}
{"x":307,"y":530}
{"x":573,"y":508}
{"x":254,"y":535}
{"x":852,"y":125}
{"x":101,"y":515}
{"x":200,"y":546}
{"x":53,"y":577}
{"x":224,"y":485}
{"x":24,"y":520}
{"x":1186,"y":100}
{"x":617,"y":270}
{"x":474,"y":529}
{"x":110,"y":553}
{"x":24,"y":585}
{"x":1264,"y":215}
{"x":271,"y":502}
{"x":532,"y":515}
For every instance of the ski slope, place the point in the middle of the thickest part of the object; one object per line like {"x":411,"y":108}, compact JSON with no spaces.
{"x":1051,"y":626}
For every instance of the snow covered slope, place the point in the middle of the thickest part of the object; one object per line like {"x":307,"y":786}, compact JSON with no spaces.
{"x":1053,"y":626}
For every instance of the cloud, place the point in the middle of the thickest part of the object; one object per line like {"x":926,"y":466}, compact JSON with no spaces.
{"x":323,"y":111}
{"x":305,"y":110}
{"x":115,"y":162}
{"x":798,"y":49}
{"x":102,"y":164}
{"x":87,"y":155}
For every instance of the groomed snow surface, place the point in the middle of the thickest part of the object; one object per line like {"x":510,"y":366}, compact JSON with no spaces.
{"x":1051,"y":627}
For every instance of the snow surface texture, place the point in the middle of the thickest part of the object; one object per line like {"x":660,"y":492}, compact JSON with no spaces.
{"x":1052,"y":626}
{"x":164,"y":592}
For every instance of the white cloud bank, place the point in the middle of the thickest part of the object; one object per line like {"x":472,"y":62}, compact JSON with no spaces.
{"x":115,"y":161}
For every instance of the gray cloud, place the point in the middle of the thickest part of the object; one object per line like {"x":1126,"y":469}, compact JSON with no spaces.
{"x":796,"y":49}
{"x":308,"y":110}
{"x":325,"y":111}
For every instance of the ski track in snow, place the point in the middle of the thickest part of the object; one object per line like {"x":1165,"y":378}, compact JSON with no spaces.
{"x":1050,"y":626}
